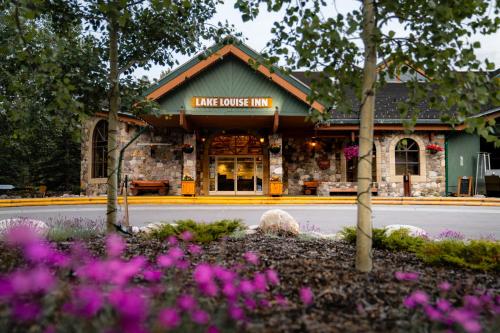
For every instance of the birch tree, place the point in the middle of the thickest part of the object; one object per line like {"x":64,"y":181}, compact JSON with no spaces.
{"x":345,"y":47}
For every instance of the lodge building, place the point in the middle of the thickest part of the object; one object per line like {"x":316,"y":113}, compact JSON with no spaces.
{"x":235,"y":129}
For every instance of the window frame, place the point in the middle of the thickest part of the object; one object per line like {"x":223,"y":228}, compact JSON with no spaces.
{"x":99,"y":147}
{"x":407,"y":162}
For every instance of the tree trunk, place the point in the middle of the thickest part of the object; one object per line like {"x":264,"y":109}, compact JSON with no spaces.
{"x":364,"y":226}
{"x":113,"y":144}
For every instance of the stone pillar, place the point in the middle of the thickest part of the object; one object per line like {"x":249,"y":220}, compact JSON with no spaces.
{"x":189,"y":160}
{"x":276,"y":160}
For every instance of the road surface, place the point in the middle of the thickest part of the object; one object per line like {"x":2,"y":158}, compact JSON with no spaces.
{"x":474,"y":222}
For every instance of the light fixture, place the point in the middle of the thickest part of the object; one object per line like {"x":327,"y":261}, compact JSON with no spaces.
{"x":313,"y":144}
{"x":261,"y":140}
{"x":203,"y":139}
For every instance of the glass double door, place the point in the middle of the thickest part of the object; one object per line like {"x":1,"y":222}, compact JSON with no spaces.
{"x":236,"y":175}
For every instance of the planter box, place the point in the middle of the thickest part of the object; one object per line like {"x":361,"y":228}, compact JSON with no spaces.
{"x":188,"y":187}
{"x":275,"y":188}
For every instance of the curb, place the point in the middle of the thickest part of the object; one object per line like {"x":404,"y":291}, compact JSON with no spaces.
{"x":231,"y":200}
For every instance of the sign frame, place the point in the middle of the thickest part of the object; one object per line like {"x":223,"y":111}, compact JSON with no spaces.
{"x":224,"y":102}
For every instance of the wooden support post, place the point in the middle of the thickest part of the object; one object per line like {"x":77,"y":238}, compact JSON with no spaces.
{"x":276,"y":121}
{"x":125,"y":202}
{"x":183,"y":122}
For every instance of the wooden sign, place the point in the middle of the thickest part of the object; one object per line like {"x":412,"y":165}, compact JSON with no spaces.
{"x":464,"y":186}
{"x":231,"y":102}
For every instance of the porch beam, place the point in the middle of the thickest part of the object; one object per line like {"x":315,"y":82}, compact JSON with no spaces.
{"x":183,"y":122}
{"x":276,"y":121}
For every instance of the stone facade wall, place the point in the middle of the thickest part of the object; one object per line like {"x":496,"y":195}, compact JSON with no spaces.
{"x":141,"y":161}
{"x":302,"y":162}
{"x":276,"y":159}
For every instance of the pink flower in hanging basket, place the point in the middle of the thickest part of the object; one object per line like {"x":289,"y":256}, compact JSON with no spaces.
{"x":351,"y":152}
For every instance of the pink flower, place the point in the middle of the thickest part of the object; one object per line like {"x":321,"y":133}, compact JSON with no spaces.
{"x":223,"y":274}
{"x":172,"y":240}
{"x":250,"y":304}
{"x":194,"y":249}
{"x":472,"y":302}
{"x":186,"y":302}
{"x":462,"y":315}
{"x":22,"y":236}
{"x":130,"y":304}
{"x":26,"y":311}
{"x":114,"y":245}
{"x":203,"y":273}
{"x":165,"y":261}
{"x":443,"y":305}
{"x":272,"y":277}
{"x":260,"y":282}
{"x":444,"y":286}
{"x":152,"y":275}
{"x":281,"y":300}
{"x":472,"y":326}
{"x":208,"y":289}
{"x":432,"y":313}
{"x":406,"y":276}
{"x":169,"y":318}
{"x":186,"y":236}
{"x":86,"y":302}
{"x":39,"y":279}
{"x":236,"y":313}
{"x":306,"y":295}
{"x":182,"y":264}
{"x":175,"y":253}
{"x":200,"y":317}
{"x":230,"y":291}
{"x":251,"y":258}
{"x":213,"y":329}
{"x":246,"y":287}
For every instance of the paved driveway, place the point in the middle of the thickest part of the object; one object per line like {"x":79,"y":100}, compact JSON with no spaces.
{"x":474,"y":222}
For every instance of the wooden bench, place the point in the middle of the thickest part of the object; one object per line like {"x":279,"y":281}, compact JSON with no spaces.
{"x":311,"y":187}
{"x":351,"y":190}
{"x":149,"y":185}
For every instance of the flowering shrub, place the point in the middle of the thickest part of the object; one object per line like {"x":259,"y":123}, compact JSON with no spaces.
{"x":433,"y":148}
{"x":451,"y":312}
{"x":450,"y":234}
{"x":77,"y":292}
{"x":351,"y":152}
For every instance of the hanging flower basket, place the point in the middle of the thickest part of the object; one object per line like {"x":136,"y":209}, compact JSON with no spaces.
{"x":351,"y":152}
{"x":188,"y":149}
{"x":433,"y":148}
{"x":275,"y":149}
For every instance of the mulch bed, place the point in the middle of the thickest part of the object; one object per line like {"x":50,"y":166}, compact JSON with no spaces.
{"x":345,"y":301}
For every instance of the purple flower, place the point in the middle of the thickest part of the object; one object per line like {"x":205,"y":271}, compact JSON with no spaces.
{"x":152,"y":275}
{"x":182,"y":264}
{"x":194,"y":249}
{"x":450,"y":234}
{"x":281,"y":300}
{"x":200,"y":317}
{"x":246,"y":287}
{"x":230,"y":291}
{"x":251,"y":258}
{"x":26,"y":311}
{"x":443,"y":305}
{"x":418,"y":297}
{"x":406,"y":276}
{"x":203,"y":273}
{"x":114,"y":245}
{"x":472,"y":302}
{"x":432,"y":313}
{"x":223,"y":274}
{"x":213,"y":329}
{"x":260,"y":282}
{"x":86,"y":302}
{"x":444,"y":286}
{"x":165,"y":261}
{"x":272,"y":277}
{"x":186,"y":236}
{"x":175,"y":253}
{"x":39,"y":279}
{"x":472,"y":326}
{"x":208,"y":289}
{"x":169,"y":318}
{"x":461,"y":315}
{"x":250,"y":304}
{"x":21,"y":235}
{"x":306,"y":295}
{"x":130,"y":304}
{"x":172,"y":240}
{"x":186,"y":302}
{"x":236,"y":313}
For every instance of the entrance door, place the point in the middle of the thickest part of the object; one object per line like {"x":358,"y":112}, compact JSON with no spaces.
{"x":236,"y":175}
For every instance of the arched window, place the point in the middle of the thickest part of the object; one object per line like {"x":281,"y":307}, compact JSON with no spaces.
{"x":407,"y":157}
{"x":100,"y":150}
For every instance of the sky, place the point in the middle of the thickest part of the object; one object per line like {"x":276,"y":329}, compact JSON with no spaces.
{"x":258,"y":33}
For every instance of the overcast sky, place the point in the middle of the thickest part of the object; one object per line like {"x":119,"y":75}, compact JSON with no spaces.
{"x":258,"y":33}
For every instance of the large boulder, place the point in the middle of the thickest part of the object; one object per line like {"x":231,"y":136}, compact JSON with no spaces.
{"x":277,"y":221}
{"x":39,"y":226}
{"x":412,"y":230}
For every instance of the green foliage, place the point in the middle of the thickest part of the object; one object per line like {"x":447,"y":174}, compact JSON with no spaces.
{"x":437,"y":41}
{"x":202,"y":232}
{"x":474,"y":254}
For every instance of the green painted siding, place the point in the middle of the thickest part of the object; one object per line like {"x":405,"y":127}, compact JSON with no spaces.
{"x":465,"y":146}
{"x":231,"y":78}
